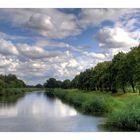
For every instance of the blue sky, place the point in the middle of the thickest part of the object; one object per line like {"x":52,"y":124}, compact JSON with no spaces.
{"x":36,"y":44}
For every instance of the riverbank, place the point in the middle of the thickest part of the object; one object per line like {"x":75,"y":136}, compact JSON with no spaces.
{"x":11,"y":91}
{"x":122,"y":111}
{"x":11,"y":95}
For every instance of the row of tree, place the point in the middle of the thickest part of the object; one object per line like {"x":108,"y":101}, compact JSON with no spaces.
{"x":123,"y":72}
{"x":53,"y":83}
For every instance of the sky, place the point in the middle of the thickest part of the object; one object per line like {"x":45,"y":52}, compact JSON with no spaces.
{"x":36,"y":44}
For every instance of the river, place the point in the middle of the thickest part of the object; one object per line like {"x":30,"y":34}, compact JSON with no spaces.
{"x":36,"y":112}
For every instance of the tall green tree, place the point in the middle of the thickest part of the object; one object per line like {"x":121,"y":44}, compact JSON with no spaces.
{"x":51,"y":83}
{"x":66,"y":84}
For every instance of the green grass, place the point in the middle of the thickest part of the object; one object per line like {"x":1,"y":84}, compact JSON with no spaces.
{"x":122,"y":110}
{"x":70,"y":96}
{"x":12,"y":91}
{"x":98,"y":105}
{"x":88,"y":102}
{"x":11,"y":95}
{"x":126,"y":117}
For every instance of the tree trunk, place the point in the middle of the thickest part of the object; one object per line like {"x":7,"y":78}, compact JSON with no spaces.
{"x":123,"y":90}
{"x":133,"y":87}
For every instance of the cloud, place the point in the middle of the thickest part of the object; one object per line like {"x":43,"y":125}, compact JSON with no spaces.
{"x":11,"y":37}
{"x":44,"y":43}
{"x":41,"y":64}
{"x":94,"y":17}
{"x":35,"y":52}
{"x":40,"y":22}
{"x":48,"y":54}
{"x":32,"y":52}
{"x":3,"y":62}
{"x":131,"y":24}
{"x":84,"y":47}
{"x":7,"y":48}
{"x":94,"y":55}
{"x":8,"y":64}
{"x":62,"y":67}
{"x":115,"y":38}
{"x":54,"y":23}
{"x":51,"y":23}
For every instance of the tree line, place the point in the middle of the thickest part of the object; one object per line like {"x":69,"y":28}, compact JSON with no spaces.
{"x":122,"y":73}
{"x":10,"y":81}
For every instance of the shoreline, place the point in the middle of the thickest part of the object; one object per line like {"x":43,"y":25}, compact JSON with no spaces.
{"x":113,"y":108}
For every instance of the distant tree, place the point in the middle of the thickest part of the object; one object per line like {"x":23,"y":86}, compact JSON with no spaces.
{"x":39,"y":86}
{"x":75,"y":81}
{"x":122,"y":72}
{"x":11,"y":81}
{"x":66,"y":84}
{"x":59,"y":84}
{"x":51,"y":83}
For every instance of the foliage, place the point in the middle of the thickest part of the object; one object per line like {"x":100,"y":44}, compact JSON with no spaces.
{"x":11,"y":85}
{"x":39,"y":86}
{"x":53,"y":83}
{"x":119,"y":74}
{"x":90,"y":103}
{"x":10,"y":81}
{"x":127,"y":117}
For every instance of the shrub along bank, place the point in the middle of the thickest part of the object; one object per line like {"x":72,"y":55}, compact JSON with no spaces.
{"x":122,"y":112}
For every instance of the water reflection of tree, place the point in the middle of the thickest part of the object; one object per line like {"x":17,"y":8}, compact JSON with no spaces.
{"x":49,"y":94}
{"x":9,"y":100}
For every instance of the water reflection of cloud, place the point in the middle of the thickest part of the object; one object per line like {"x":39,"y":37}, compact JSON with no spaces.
{"x":56,"y":109}
{"x":37,"y":107}
{"x":64,"y":110}
{"x":8,"y":111}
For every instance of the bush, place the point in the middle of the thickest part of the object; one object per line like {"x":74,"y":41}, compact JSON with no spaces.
{"x":127,"y":117}
{"x":89,"y":103}
{"x":99,"y":104}
{"x":70,"y":97}
{"x":76,"y":99}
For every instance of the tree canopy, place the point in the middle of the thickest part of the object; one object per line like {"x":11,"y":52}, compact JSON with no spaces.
{"x":11,"y":81}
{"x":119,"y":74}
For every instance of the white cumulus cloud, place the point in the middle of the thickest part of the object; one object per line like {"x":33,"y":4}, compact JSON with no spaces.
{"x":7,"y":48}
{"x":47,"y":22}
{"x":115,"y":38}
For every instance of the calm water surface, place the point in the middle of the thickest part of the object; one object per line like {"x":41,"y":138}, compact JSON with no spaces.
{"x":37,"y":112}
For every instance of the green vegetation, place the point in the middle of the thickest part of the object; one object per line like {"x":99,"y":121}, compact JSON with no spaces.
{"x":127,"y":117}
{"x":10,"y":85}
{"x":88,"y":102}
{"x":11,"y":95}
{"x":10,"y":81}
{"x":109,"y":89}
{"x":97,"y":89}
{"x":122,"y":74}
{"x":11,"y":91}
{"x":122,"y":110}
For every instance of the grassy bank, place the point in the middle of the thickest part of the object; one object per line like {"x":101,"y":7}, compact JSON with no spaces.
{"x":88,"y":102}
{"x":12,"y":91}
{"x":122,"y":111}
{"x":11,"y":95}
{"x":126,"y":117}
